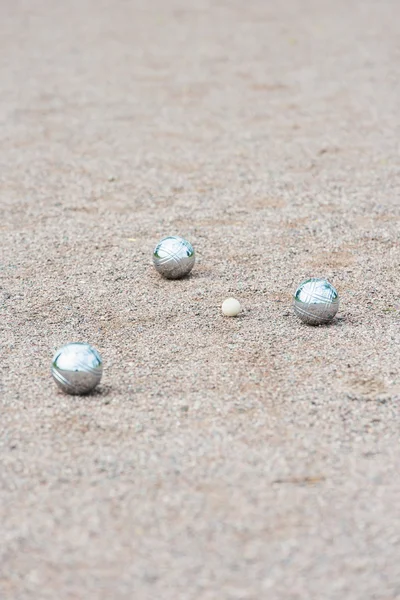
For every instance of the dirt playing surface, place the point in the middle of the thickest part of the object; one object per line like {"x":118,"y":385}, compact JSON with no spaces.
{"x":220,"y":459}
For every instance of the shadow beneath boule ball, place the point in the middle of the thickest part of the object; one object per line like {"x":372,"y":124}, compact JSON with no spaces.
{"x":332,"y":324}
{"x":101,"y":390}
{"x":181,"y":280}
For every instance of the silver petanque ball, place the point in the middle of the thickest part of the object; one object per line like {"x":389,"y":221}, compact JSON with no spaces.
{"x":77,"y":368}
{"x":316,"y":301}
{"x":174,"y":257}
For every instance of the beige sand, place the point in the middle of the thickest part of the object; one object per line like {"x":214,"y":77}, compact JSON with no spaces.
{"x":222,"y":459}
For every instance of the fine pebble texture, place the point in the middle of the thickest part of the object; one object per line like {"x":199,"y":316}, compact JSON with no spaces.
{"x":219,"y":459}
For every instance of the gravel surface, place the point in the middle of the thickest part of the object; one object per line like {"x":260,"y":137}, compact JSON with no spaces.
{"x":220,"y":459}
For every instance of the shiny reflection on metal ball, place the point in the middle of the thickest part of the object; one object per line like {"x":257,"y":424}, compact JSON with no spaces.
{"x":316,"y":301}
{"x":174,"y":257}
{"x":77,"y":368}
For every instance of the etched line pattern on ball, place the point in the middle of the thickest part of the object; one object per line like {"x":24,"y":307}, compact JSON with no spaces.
{"x":313,"y":297}
{"x":77,"y":368}
{"x":169,"y":257}
{"x":316,"y":301}
{"x":174,"y":257}
{"x":64,"y":383}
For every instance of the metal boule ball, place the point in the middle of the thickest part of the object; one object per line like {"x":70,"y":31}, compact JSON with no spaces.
{"x":77,"y":368}
{"x":316,"y":301}
{"x":174,"y":257}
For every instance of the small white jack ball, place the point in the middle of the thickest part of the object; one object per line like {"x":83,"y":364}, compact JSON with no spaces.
{"x":231,"y":307}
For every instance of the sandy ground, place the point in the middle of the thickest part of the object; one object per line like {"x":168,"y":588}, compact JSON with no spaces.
{"x":221,"y":459}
